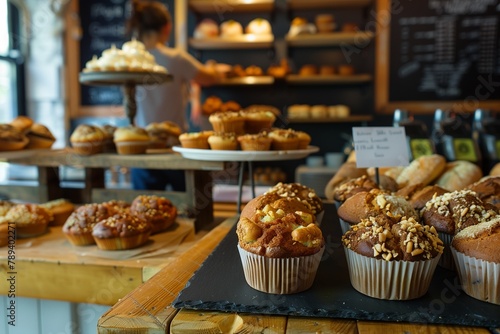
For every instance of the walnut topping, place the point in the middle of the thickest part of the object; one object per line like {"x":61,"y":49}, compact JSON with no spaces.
{"x":309,"y":236}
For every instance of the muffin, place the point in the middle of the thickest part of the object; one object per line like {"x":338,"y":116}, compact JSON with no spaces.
{"x":304,"y":140}
{"x":88,"y":139}
{"x":22,"y":123}
{"x":319,"y":111}
{"x":131,"y":140}
{"x":30,"y":219}
{"x":488,"y":190}
{"x":391,"y":260}
{"x":420,"y":198}
{"x":158,"y":134}
{"x":475,"y":250}
{"x":458,"y":175}
{"x":347,"y":171}
{"x":273,"y":200}
{"x":195,"y":139}
{"x":259,"y":26}
{"x":60,"y":209}
{"x":78,"y":227}
{"x":212,"y":104}
{"x":157,"y":210}
{"x":230,"y":29}
{"x":258,"y":120}
{"x":255,"y":142}
{"x":11,"y":138}
{"x":353,"y":186}
{"x":280,"y":251}
{"x":109,"y":131}
{"x":299,"y":111}
{"x":284,"y":139}
{"x":345,"y":69}
{"x":121,"y":231}
{"x":5,"y":206}
{"x":223,"y":141}
{"x":39,"y":137}
{"x":228,"y":121}
{"x":308,"y":69}
{"x":325,"y":23}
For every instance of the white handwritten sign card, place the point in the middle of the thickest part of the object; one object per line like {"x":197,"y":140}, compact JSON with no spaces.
{"x":380,"y":146}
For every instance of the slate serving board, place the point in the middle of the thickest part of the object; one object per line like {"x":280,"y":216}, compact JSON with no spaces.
{"x":219,"y":285}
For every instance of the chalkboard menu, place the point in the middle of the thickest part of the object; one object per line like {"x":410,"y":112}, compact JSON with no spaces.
{"x":103,"y":24}
{"x":444,"y":50}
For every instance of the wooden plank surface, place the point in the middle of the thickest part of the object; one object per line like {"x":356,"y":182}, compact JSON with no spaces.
{"x":148,"y":308}
{"x":372,"y":327}
{"x":298,"y":325}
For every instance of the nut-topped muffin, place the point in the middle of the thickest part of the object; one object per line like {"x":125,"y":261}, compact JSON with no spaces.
{"x":228,"y":121}
{"x":30,"y":219}
{"x":488,"y":190}
{"x":121,"y":231}
{"x":131,"y":140}
{"x":88,"y":139}
{"x":157,"y":210}
{"x":255,"y":142}
{"x":284,"y":139}
{"x":223,"y":141}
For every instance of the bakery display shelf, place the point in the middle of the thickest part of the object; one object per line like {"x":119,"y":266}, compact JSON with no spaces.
{"x":329,"y":39}
{"x":247,"y":41}
{"x":9,"y":156}
{"x":296,"y":79}
{"x":111,"y":78}
{"x":322,"y":4}
{"x":249,"y":80}
{"x":348,"y":119}
{"x":210,"y":6}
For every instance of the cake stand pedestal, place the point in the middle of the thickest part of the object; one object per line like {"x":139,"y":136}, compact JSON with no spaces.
{"x":129,"y":81}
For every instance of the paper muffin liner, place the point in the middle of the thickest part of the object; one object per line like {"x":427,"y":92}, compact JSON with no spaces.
{"x":446,"y":260}
{"x":30,"y":230}
{"x":255,"y":145}
{"x":256,"y":126}
{"x":280,"y":275}
{"x":88,"y":148}
{"x":132,"y":147}
{"x":121,"y":243}
{"x":285,"y":145}
{"x":200,"y":143}
{"x":236,"y":126}
{"x":319,"y":217}
{"x":344,"y":226}
{"x":392,"y":280}
{"x":81,"y":239}
{"x":480,"y":279}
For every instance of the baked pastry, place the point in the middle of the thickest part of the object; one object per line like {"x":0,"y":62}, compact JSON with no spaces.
{"x":342,"y":111}
{"x":325,"y":23}
{"x":22,"y":123}
{"x":350,"y":27}
{"x":280,"y":250}
{"x":300,"y":26}
{"x":284,"y":139}
{"x":301,"y":192}
{"x":319,"y":111}
{"x":237,"y":71}
{"x":116,"y":206}
{"x":211,"y":105}
{"x":39,"y":136}
{"x":207,"y":28}
{"x":157,"y":210}
{"x":229,"y":121}
{"x":5,"y":206}
{"x":298,"y":111}
{"x":78,"y":226}
{"x":353,"y":186}
{"x":223,"y":141}
{"x":475,"y":250}
{"x":4,"y":234}
{"x":327,"y":70}
{"x":255,"y":142}
{"x":495,"y":170}
{"x":308,"y":69}
{"x":159,"y":135}
{"x":346,"y":69}
{"x":230,"y":28}
{"x":392,"y":260}
{"x":424,"y":170}
{"x":304,"y":140}
{"x":60,"y":209}
{"x":131,"y":140}
{"x":109,"y":144}
{"x":258,"y":120}
{"x":275,"y":201}
{"x":230,"y":106}
{"x":30,"y":219}
{"x":254,"y":70}
{"x":195,"y":139}
{"x":88,"y":139}
{"x":420,"y":197}
{"x":487,"y":189}
{"x":121,"y":231}
{"x":259,"y":26}
{"x":458,"y":175}
{"x":11,"y":138}
{"x":348,"y":170}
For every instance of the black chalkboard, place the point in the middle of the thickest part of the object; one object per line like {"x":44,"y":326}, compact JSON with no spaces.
{"x":444,"y":50}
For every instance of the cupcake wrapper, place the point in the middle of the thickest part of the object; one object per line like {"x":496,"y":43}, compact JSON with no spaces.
{"x":344,"y":226}
{"x":123,"y":242}
{"x":256,"y":126}
{"x":480,"y":279}
{"x":392,"y":280}
{"x":132,"y":147}
{"x":88,"y":148}
{"x":237,"y":127}
{"x":319,"y":217}
{"x":280,"y":275}
{"x":446,"y":260}
{"x":81,"y":240}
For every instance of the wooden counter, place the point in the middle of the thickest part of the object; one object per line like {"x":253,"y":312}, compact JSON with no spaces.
{"x":148,"y":308}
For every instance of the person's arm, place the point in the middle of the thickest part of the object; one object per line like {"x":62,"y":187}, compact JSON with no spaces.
{"x":206,"y":75}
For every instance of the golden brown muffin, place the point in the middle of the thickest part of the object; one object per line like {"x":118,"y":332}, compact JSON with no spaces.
{"x":480,"y":241}
{"x":11,"y":138}
{"x":39,"y":136}
{"x":121,"y":231}
{"x":158,"y":134}
{"x":304,"y":140}
{"x":458,"y":175}
{"x":424,"y":169}
{"x":5,"y":206}
{"x":30,"y":219}
{"x":229,"y":121}
{"x":327,"y":70}
{"x":353,"y":186}
{"x":157,"y":210}
{"x":131,"y":140}
{"x":61,"y":209}
{"x":420,"y":198}
{"x":255,"y":142}
{"x":308,"y":69}
{"x":88,"y":139}
{"x":195,"y":139}
{"x":301,"y":192}
{"x":212,"y":104}
{"x":253,"y":70}
{"x":78,"y":227}
{"x":230,"y":106}
{"x":299,"y":111}
{"x":22,"y":123}
{"x":346,"y":70}
{"x":284,"y":139}
{"x":325,"y":23}
{"x":258,"y":120}
{"x":223,"y":141}
{"x":348,"y":170}
{"x":488,"y":190}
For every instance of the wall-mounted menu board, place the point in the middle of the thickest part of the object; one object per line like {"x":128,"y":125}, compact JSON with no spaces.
{"x":438,"y":54}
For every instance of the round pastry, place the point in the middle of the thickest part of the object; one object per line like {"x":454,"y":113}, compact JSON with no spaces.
{"x":60,"y":209}
{"x":229,"y":121}
{"x":230,"y":106}
{"x":424,"y":170}
{"x":342,"y":111}
{"x":39,"y":136}
{"x":211,"y":105}
{"x":195,"y":139}
{"x":458,"y":175}
{"x":404,"y":251}
{"x":352,"y":186}
{"x":5,"y":206}
{"x":346,"y":70}
{"x":350,"y":27}
{"x":254,"y":70}
{"x":475,"y":250}
{"x":121,"y":231}
{"x":308,"y":69}
{"x":420,"y":198}
{"x":88,"y":139}
{"x":30,"y":219}
{"x":159,"y":135}
{"x":207,"y":28}
{"x":259,"y":26}
{"x":11,"y":138}
{"x":78,"y":226}
{"x":92,"y":65}
{"x":279,"y":250}
{"x":300,"y":26}
{"x":299,"y":111}
{"x":348,"y":170}
{"x":488,"y":190}
{"x":223,"y":141}
{"x":116,"y":206}
{"x":131,"y":140}
{"x":495,"y":170}
{"x":325,"y":23}
{"x":22,"y":123}
{"x":284,"y":139}
{"x":319,"y":111}
{"x":301,"y":192}
{"x":237,"y":71}
{"x":304,"y":140}
{"x":327,"y":70}
{"x":109,"y":131}
{"x":255,"y":142}
{"x":258,"y":120}
{"x":230,"y":28}
{"x":157,"y":210}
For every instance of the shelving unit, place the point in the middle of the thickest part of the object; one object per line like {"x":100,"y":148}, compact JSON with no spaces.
{"x":331,"y":39}
{"x":322,"y":4}
{"x":353,"y":119}
{"x":247,"y":81}
{"x":211,"y":6}
{"x":246,"y":41}
{"x":295,"y":79}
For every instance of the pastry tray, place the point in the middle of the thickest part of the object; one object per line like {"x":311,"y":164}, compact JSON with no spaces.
{"x":108,"y":78}
{"x":219,"y":285}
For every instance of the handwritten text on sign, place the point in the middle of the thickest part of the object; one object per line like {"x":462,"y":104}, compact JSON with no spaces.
{"x":380,"y":146}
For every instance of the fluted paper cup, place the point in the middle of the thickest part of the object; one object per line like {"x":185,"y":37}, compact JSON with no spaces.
{"x":280,"y":275}
{"x":319,"y":217}
{"x":344,"y":226}
{"x":480,"y":279}
{"x":392,"y":280}
{"x":446,"y":260}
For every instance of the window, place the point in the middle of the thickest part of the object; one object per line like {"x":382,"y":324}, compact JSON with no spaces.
{"x":12,"y":98}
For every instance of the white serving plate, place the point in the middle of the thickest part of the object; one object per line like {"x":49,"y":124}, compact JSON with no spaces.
{"x":222,"y":155}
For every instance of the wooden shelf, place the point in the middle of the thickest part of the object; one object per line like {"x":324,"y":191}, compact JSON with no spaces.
{"x":329,"y":39}
{"x":210,"y":6}
{"x":247,"y":41}
{"x":322,"y":4}
{"x":353,"y":118}
{"x":295,"y":79}
{"x":247,"y":81}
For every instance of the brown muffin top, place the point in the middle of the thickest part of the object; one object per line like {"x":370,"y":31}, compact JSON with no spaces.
{"x":5,"y":206}
{"x":85,"y":217}
{"x":120,"y":225}
{"x":9,"y":133}
{"x":406,"y":240}
{"x":301,"y":192}
{"x":153,"y":208}
{"x":353,"y":186}
{"x":87,"y":132}
{"x":454,"y":211}
{"x":488,"y":190}
{"x":480,"y":241}
{"x":28,"y":214}
{"x":420,"y":198}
